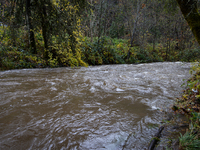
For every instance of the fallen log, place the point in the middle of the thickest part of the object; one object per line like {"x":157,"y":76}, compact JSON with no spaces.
{"x":155,"y":139}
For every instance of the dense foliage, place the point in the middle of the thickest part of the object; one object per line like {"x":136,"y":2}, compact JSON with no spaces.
{"x":53,"y":33}
{"x":106,"y":51}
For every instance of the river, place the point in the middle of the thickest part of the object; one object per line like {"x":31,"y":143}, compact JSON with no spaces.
{"x":109,"y":107}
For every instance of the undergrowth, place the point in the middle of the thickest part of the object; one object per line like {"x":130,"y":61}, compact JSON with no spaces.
{"x":189,"y":104}
{"x":105,"y":50}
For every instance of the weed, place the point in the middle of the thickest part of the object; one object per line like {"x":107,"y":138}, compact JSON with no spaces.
{"x":189,"y":141}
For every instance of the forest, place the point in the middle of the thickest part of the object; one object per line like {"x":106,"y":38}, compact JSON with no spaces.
{"x":70,"y":33}
{"x":54,"y":33}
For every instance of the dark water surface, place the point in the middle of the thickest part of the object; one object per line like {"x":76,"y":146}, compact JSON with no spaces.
{"x":111,"y":107}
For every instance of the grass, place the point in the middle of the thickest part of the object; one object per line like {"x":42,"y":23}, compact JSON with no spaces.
{"x":189,"y":141}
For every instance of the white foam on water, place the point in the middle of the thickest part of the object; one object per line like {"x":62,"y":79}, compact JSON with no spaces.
{"x":119,"y":90}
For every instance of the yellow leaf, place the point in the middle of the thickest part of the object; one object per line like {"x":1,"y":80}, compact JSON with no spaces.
{"x":197,"y":96}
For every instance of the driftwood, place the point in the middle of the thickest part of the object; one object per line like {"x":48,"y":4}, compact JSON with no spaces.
{"x":155,"y":138}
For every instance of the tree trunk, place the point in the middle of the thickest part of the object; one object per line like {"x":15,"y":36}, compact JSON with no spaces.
{"x":190,"y":12}
{"x":91,"y":23}
{"x":100,"y":19}
{"x":30,"y":27}
{"x":45,"y":30}
{"x":135,"y":24}
{"x":105,"y":18}
{"x":133,"y":37}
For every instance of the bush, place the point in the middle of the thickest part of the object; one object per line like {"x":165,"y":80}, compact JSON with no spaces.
{"x":14,"y":58}
{"x":189,"y":55}
{"x":100,"y":52}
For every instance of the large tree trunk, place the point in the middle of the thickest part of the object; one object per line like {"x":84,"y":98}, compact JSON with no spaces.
{"x":190,"y":12}
{"x":30,"y":27}
{"x":45,"y":31}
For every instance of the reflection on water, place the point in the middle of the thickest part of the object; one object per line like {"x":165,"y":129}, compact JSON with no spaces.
{"x":102,"y":107}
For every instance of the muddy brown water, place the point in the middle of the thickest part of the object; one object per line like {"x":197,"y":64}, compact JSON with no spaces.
{"x":111,"y":107}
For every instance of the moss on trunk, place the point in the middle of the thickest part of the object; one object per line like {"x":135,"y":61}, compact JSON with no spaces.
{"x":190,"y":12}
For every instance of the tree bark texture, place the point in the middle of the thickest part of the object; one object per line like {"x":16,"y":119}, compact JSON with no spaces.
{"x":190,"y":12}
{"x":30,"y":27}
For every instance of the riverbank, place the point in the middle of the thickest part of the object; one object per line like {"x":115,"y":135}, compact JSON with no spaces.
{"x":182,"y":124}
